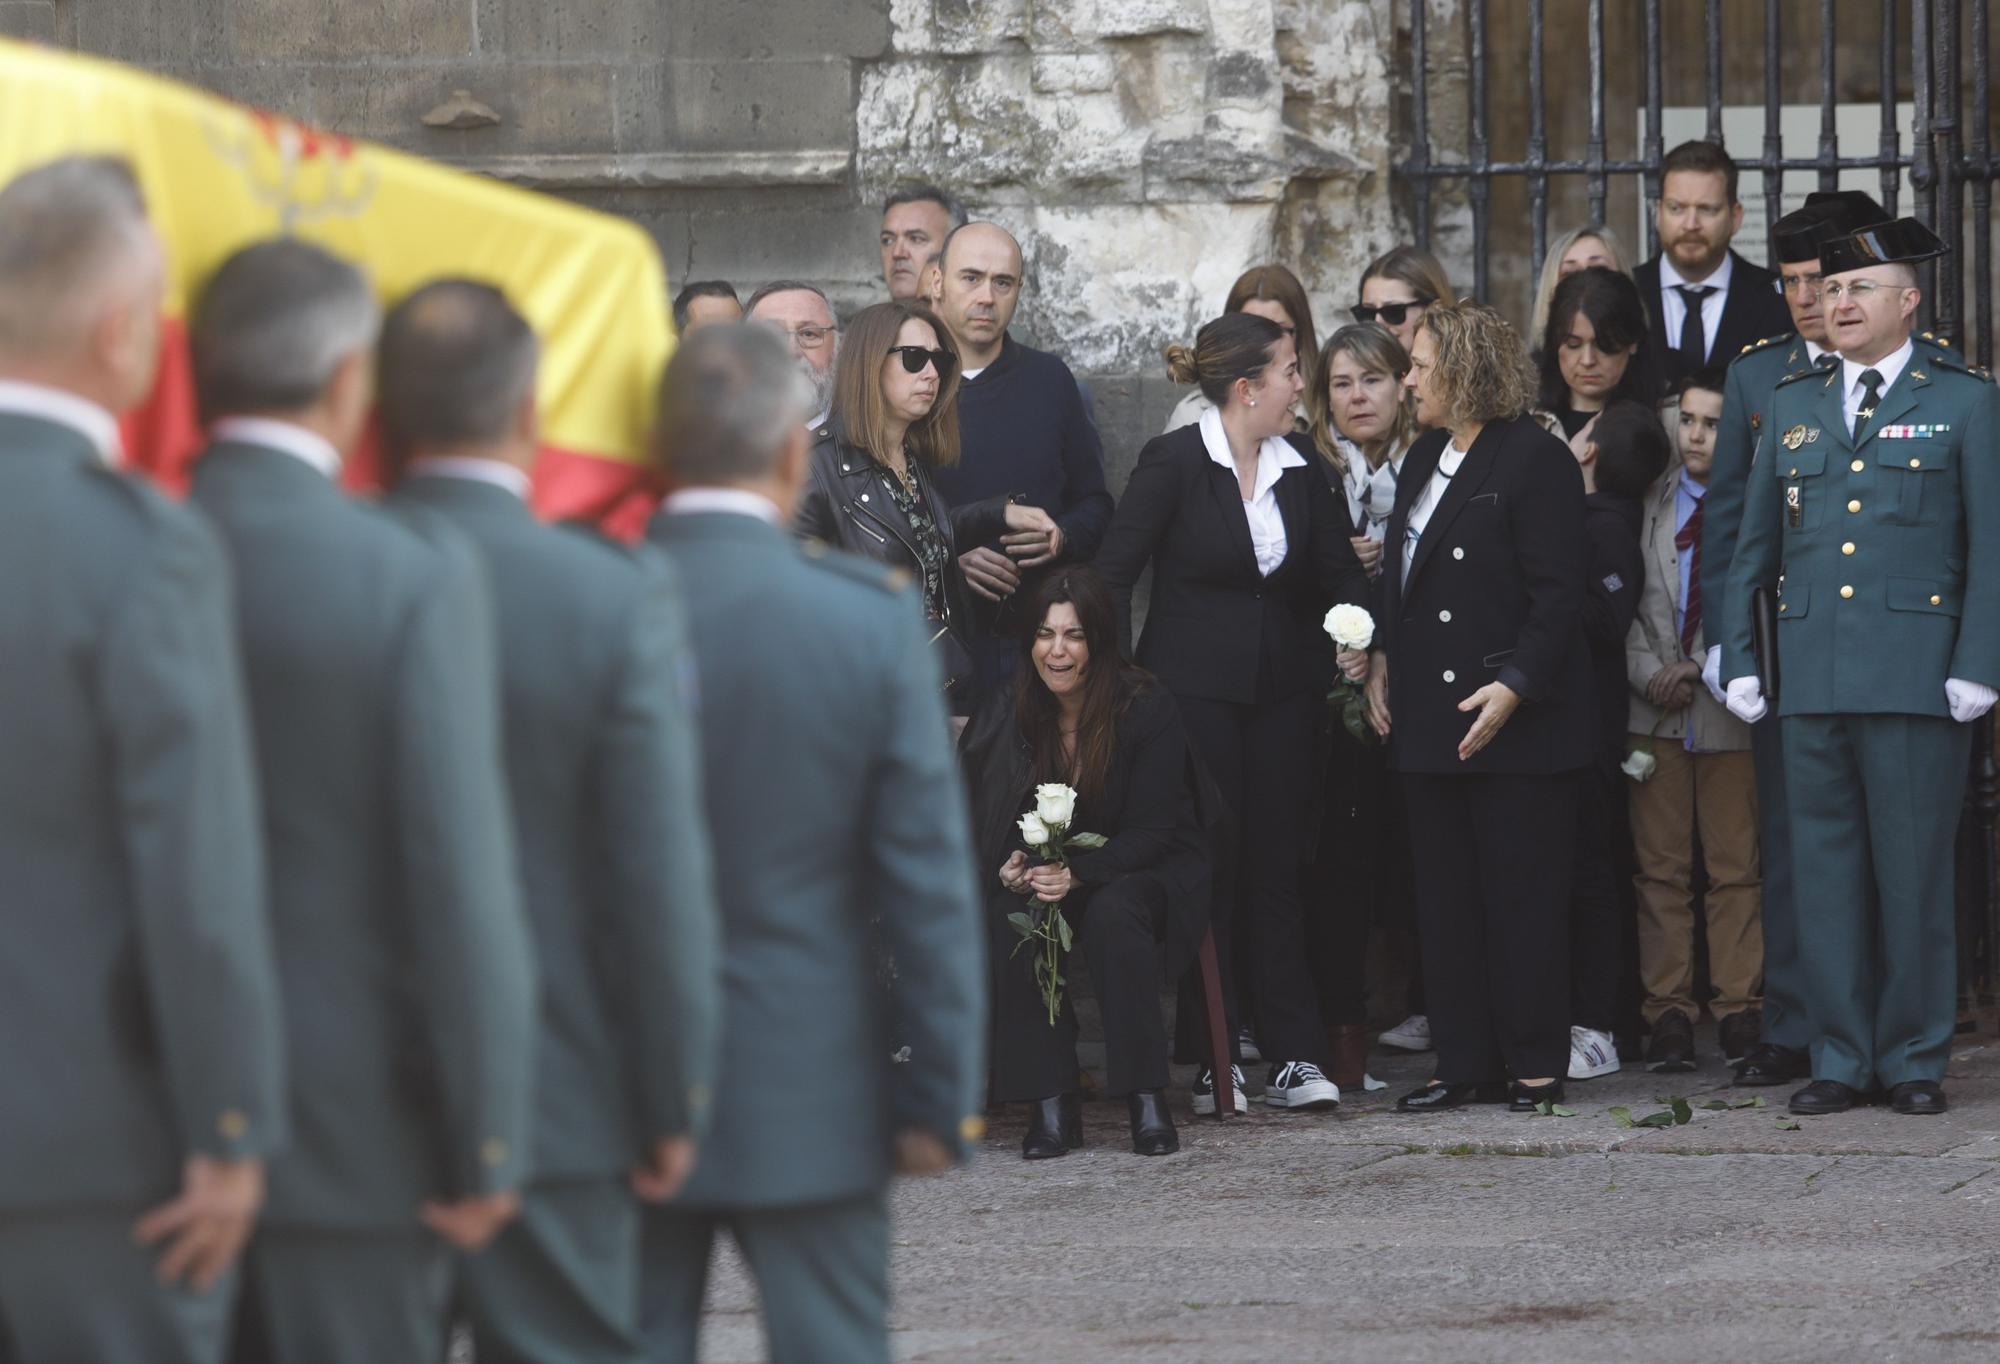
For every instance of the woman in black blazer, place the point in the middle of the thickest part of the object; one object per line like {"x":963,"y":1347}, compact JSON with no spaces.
{"x":1480,"y":679}
{"x":1248,"y":549}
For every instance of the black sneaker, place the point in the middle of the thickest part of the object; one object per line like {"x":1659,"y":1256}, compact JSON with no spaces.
{"x":1202,"y":1095}
{"x":1672,"y":1048}
{"x":1739,"y":1033}
{"x":1300,"y":1084}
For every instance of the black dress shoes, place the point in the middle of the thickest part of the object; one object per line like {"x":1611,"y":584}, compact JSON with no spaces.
{"x":1922,"y":1097}
{"x":1152,"y":1125}
{"x":1055,"y":1127}
{"x":1523,"y":1098}
{"x":1825,"y":1096}
{"x":1435,"y":1098}
{"x":1770,"y":1064}
{"x":1672,"y":1048}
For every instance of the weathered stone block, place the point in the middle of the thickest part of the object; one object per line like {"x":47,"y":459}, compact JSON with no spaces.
{"x":970,"y":26}
{"x":723,"y":30}
{"x":543,"y":108}
{"x":34,"y":20}
{"x":279,"y":30}
{"x":628,"y":29}
{"x":1075,"y":73}
{"x":149,"y":32}
{"x":748,"y":105}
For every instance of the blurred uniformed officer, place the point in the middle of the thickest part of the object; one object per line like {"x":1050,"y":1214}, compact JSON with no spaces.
{"x":1781,"y":1054}
{"x":604,"y":771}
{"x":404,"y":954}
{"x":1876,"y":496}
{"x":835,"y":799}
{"x":138,"y":996}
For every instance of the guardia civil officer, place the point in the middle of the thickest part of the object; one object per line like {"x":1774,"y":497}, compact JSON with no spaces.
{"x":834,"y":799}
{"x":603,"y":772}
{"x":403,"y":951}
{"x":141,"y":1077}
{"x":1780,"y":1054}
{"x":1875,"y":494}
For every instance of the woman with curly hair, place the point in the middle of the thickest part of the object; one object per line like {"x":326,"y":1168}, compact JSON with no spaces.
{"x":1480,"y":681}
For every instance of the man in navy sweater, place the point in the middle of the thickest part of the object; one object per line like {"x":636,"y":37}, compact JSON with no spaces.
{"x":1024,"y":432}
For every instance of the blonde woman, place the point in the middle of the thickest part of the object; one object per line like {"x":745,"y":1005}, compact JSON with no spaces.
{"x":1577,"y":249}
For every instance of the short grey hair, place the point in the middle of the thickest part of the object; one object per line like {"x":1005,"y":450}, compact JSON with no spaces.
{"x":730,"y":401}
{"x":791,"y":286}
{"x":63,"y":226}
{"x":274,"y":324}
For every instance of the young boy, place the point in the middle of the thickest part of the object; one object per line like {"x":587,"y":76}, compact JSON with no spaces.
{"x":1621,"y":453}
{"x":1701,"y":776}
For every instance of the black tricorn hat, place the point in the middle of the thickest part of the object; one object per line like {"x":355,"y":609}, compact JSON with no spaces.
{"x":1827,"y":214}
{"x":1902,"y":242}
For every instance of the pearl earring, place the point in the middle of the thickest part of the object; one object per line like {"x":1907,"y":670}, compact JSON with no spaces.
{"x":1253,"y":402}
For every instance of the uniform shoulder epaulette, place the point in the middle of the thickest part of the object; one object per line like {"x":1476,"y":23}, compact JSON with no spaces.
{"x":1797,"y":375}
{"x":1768,"y":341}
{"x":1943,"y":343}
{"x":856,"y":568}
{"x":1952,"y":360}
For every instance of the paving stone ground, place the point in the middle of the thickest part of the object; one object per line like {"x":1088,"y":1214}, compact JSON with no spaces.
{"x":1370,"y":1235}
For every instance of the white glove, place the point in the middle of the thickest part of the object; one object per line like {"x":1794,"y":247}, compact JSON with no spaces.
{"x":1745,"y":699}
{"x":1711,"y":675}
{"x":1968,"y":700}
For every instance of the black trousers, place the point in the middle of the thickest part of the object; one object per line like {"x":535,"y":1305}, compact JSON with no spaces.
{"x":1493,"y":861}
{"x":1604,"y":930}
{"x":1117,"y":928}
{"x":1261,"y":758}
{"x":1357,"y":881}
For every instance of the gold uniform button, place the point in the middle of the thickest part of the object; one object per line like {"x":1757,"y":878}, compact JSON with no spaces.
{"x":1916,"y":464}
{"x":1857,"y":466}
{"x":1846,"y":591}
{"x":493,"y":1151}
{"x":1795,"y":471}
{"x":1937,"y":600}
{"x":972,"y":1128}
{"x":1847,"y":548}
{"x":233,"y":1124}
{"x":1855,"y":505}
{"x":1781,"y":608}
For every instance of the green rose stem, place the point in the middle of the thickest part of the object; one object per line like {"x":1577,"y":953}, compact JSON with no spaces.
{"x":1042,"y":924}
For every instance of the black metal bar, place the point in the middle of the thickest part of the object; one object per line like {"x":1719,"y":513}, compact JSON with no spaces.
{"x":1454,"y":170}
{"x":1978,"y":167}
{"x":1538,"y":138}
{"x":1829,"y":134}
{"x":1420,"y":131}
{"x":1985,"y":793}
{"x":1951,"y":195}
{"x":1655,"y":149}
{"x":1923,"y":172}
{"x":1479,"y":185}
{"x":1774,"y":142}
{"x":1715,"y":71}
{"x":1889,"y":148}
{"x":1594,"y":150}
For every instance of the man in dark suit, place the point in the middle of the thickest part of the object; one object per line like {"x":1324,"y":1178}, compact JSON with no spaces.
{"x":138,"y":995}
{"x":603,"y":765}
{"x":402,"y":947}
{"x":1706,"y":302}
{"x":835,"y":799}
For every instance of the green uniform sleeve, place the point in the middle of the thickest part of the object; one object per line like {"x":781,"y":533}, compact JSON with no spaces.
{"x":1976,"y":656}
{"x":1754,"y":564}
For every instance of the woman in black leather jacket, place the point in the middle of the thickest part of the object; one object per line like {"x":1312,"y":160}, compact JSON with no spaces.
{"x":895,"y":417}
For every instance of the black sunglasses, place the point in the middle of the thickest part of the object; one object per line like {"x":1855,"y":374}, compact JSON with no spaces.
{"x":1392,"y":313}
{"x":916,"y":357}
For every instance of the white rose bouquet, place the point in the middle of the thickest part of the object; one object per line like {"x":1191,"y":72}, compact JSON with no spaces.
{"x":1045,"y":830}
{"x":1351,"y":627}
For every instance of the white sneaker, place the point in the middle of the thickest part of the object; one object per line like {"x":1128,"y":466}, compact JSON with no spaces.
{"x":1591,"y":1054}
{"x":1203,"y":1095}
{"x":1412,"y":1034}
{"x":1300,"y":1084}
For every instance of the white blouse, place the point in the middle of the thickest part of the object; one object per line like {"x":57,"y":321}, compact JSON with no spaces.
{"x":1274,"y":456}
{"x":1427,"y":501}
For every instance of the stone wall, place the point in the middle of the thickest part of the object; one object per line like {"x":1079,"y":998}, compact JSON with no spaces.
{"x":1146,"y":151}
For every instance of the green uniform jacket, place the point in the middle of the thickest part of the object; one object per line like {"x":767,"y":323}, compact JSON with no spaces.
{"x":138,"y":992}
{"x":402,"y":946}
{"x":604,"y":770}
{"x":835,"y":800}
{"x":1889,"y":547}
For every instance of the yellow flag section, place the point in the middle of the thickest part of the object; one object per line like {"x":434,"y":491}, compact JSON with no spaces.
{"x":218,"y":176}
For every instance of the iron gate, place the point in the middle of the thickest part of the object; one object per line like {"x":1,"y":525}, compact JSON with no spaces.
{"x":1948,"y":156}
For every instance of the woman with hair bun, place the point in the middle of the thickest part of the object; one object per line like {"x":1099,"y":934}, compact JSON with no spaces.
{"x":1249,"y":548}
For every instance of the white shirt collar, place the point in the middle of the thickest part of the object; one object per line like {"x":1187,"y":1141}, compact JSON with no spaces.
{"x":472,"y":469}
{"x":285,"y":437}
{"x":1274,"y":456}
{"x":737,"y":501}
{"x":1718,"y":278}
{"x":79,"y":414}
{"x":1889,"y":367}
{"x":819,"y":420}
{"x":1814,"y":350}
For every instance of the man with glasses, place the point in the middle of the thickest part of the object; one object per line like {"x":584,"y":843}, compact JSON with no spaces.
{"x":801,"y":311}
{"x":1875,"y":493}
{"x":1779,"y":1055}
{"x":1706,"y":301}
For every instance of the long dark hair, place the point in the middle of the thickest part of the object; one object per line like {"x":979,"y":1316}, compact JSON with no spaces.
{"x":1611,"y":301}
{"x":1109,"y":684}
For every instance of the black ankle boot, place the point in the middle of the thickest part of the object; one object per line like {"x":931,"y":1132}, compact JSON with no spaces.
{"x":1152,"y":1125}
{"x":1055,"y":1127}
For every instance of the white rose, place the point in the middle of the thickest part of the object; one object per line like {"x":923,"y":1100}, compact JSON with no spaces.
{"x":1056,"y":804}
{"x":1638,"y":764}
{"x":1351,"y":626}
{"x":1034,"y":833}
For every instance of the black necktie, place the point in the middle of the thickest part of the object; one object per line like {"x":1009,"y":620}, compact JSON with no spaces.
{"x":1694,"y":345}
{"x":1871,"y":380}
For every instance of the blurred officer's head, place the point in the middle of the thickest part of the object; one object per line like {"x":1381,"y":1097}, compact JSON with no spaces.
{"x":733,"y":408}
{"x":457,"y":367}
{"x":286,"y":330}
{"x":82,"y":276}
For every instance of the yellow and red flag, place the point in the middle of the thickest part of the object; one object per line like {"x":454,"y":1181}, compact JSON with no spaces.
{"x":218,"y":176}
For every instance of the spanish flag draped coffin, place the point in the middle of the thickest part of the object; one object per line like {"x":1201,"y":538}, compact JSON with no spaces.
{"x":218,"y":176}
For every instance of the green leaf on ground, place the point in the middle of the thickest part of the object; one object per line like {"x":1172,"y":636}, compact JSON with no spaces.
{"x":1622,"y":1116}
{"x":1683,"y":1111}
{"x":1788,"y":1124}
